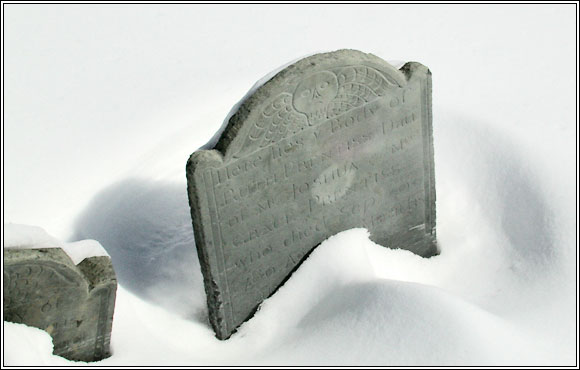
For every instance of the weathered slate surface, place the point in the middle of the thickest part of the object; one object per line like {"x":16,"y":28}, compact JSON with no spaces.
{"x":334,"y":141}
{"x":74,"y":304}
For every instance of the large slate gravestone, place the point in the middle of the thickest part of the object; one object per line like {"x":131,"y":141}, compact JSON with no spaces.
{"x":334,"y":141}
{"x":73,"y":303}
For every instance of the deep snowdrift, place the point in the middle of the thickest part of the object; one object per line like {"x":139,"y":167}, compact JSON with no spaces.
{"x":500,"y":292}
{"x":100,"y":121}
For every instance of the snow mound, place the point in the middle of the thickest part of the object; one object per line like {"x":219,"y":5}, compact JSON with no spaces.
{"x":505,"y":271}
{"x":18,"y":236}
{"x":80,"y":250}
{"x":28,"y":346}
{"x":501,"y":292}
{"x":28,"y":237}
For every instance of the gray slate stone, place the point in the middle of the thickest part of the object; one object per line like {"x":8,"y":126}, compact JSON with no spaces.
{"x":74,"y":304}
{"x":332,"y":142}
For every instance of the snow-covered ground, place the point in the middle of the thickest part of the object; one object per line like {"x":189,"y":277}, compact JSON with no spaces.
{"x":104,"y":103}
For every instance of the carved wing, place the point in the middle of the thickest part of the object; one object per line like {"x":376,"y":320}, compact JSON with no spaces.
{"x":277,"y":120}
{"x":358,"y":85}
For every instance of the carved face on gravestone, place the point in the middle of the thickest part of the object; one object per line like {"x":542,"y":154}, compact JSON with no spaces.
{"x":314,"y":93}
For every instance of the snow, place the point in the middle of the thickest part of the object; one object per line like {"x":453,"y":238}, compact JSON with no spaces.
{"x":103,"y":105}
{"x":33,"y":237}
{"x":82,"y":249}
{"x":28,"y":237}
{"x":28,"y":346}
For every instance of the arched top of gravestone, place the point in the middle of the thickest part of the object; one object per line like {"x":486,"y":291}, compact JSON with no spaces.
{"x":51,"y":261}
{"x":302,"y":95}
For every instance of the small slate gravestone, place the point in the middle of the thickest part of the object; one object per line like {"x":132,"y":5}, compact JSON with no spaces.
{"x":73,"y":303}
{"x":332,"y":142}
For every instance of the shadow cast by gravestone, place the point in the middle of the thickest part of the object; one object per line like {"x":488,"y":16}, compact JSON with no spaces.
{"x":145,"y":226}
{"x":488,"y":160}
